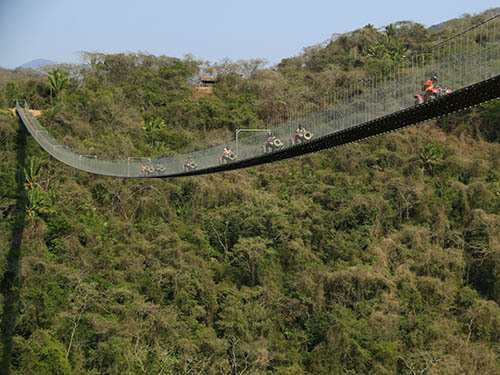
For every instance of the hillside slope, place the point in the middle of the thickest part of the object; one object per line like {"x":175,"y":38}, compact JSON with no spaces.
{"x":380,"y":257}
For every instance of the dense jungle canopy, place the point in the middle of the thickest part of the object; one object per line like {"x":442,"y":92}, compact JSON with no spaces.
{"x":380,"y":257}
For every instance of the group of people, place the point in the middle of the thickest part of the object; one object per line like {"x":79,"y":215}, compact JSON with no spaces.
{"x":152,"y":169}
{"x":273,"y":143}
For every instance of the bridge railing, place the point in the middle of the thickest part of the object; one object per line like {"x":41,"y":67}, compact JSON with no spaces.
{"x":461,"y":61}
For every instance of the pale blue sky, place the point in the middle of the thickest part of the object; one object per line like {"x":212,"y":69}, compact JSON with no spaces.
{"x":210,"y":30}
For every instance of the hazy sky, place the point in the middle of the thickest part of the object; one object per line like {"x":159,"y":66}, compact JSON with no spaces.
{"x":208,"y":29}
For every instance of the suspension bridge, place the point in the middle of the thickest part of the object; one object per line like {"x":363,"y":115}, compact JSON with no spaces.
{"x":468,"y":64}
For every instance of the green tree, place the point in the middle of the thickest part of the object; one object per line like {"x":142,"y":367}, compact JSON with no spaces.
{"x":58,"y":80}
{"x":390,"y":32}
{"x":41,"y":354}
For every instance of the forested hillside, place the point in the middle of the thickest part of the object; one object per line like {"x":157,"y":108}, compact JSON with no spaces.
{"x":381,"y":257}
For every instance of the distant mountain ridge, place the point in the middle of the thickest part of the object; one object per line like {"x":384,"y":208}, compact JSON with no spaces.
{"x":37,"y":64}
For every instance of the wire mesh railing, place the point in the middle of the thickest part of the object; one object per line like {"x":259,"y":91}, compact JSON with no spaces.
{"x":459,"y":62}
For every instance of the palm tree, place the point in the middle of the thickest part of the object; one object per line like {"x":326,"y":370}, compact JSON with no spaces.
{"x":151,"y":123}
{"x":58,"y":80}
{"x":398,"y":53}
{"x":378,"y":51}
{"x":390,"y":31}
{"x":32,"y":173}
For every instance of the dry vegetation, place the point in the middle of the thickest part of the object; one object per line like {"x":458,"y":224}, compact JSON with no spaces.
{"x":381,"y":257}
